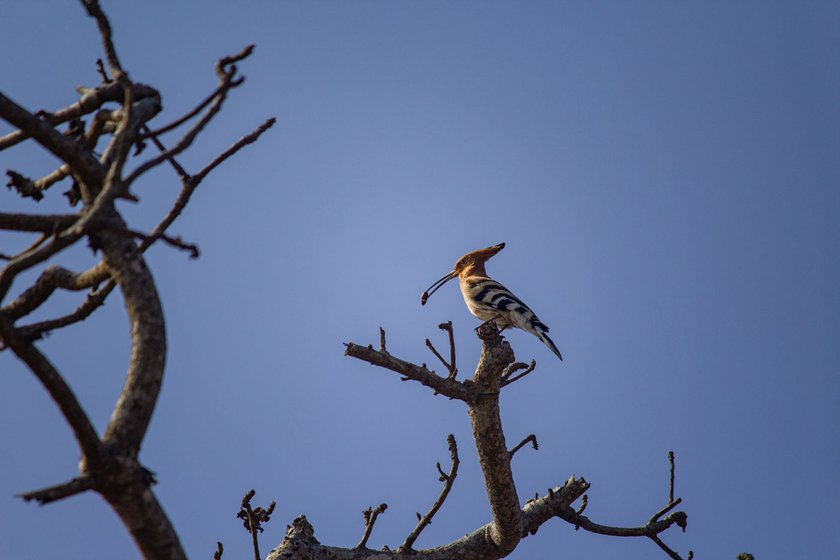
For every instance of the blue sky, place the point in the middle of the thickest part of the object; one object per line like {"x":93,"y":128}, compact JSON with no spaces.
{"x":666,"y":177}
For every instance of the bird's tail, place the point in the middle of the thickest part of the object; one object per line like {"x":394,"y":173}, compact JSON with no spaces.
{"x":550,"y":343}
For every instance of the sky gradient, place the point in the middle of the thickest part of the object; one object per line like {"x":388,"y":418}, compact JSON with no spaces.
{"x":666,"y":178}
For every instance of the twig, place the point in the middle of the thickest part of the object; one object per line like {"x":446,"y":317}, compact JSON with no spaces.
{"x":447,"y":387}
{"x":176,"y":242}
{"x":507,"y":374}
{"x":37,"y":243}
{"x":159,"y":145}
{"x":235,"y":147}
{"x":227,"y":77}
{"x":447,"y":326}
{"x":450,"y":366}
{"x":569,"y":515}
{"x":670,"y":552}
{"x":672,"y":503}
{"x":671,"y":486}
{"x":532,"y":438}
{"x":370,"y":515}
{"x":100,"y":68}
{"x":94,"y":300}
{"x":655,"y":517}
{"x":382,"y":341}
{"x":584,"y":501}
{"x":254,"y":518}
{"x":95,"y":11}
{"x":449,"y":480}
{"x":181,"y":120}
{"x":219,"y":551}
{"x":60,"y":491}
{"x":57,"y":387}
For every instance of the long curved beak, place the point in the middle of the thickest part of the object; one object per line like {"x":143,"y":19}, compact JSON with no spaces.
{"x":434,"y":287}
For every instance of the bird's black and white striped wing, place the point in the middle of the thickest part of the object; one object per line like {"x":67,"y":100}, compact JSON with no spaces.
{"x":489,"y":299}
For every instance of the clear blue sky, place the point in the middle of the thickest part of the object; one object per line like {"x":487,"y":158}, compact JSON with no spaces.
{"x":666,"y":176}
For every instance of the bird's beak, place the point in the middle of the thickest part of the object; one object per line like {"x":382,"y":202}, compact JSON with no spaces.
{"x":433,"y":288}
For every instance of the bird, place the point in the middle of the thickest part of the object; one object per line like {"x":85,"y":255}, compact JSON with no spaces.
{"x":489,"y":300}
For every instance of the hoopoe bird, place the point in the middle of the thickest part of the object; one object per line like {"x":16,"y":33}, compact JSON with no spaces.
{"x":490,"y":301}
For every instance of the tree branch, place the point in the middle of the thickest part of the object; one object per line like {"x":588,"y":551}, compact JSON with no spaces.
{"x":448,"y":480}
{"x":58,"y":389}
{"x":86,"y":167}
{"x":370,"y":515}
{"x":532,"y":438}
{"x":448,"y":387}
{"x":45,"y":496}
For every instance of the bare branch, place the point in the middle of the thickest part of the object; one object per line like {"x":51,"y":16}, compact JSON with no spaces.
{"x":91,"y":100}
{"x":95,"y":11}
{"x":448,"y":387}
{"x":58,"y":389}
{"x":94,"y":300}
{"x":235,"y":147}
{"x":508,"y":377}
{"x":52,"y":278}
{"x":37,"y":223}
{"x":176,"y":242}
{"x":181,"y":120}
{"x":370,"y":515}
{"x":69,"y":151}
{"x":448,"y":481}
{"x":671,"y":485}
{"x":182,"y":173}
{"x":59,"y":492}
{"x":532,"y":438}
{"x":670,"y":552}
{"x":254,"y":518}
{"x":228,"y":80}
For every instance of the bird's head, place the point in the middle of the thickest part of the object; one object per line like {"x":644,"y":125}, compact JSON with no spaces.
{"x":468,"y":265}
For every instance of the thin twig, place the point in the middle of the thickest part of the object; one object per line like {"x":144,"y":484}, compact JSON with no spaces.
{"x":447,"y":326}
{"x":60,"y":491}
{"x":450,"y":366}
{"x":666,"y":548}
{"x":508,"y":377}
{"x":235,"y":147}
{"x":227,"y":77}
{"x":382,"y":341}
{"x":671,"y":486}
{"x":219,"y":551}
{"x":176,"y":242}
{"x":95,"y":11}
{"x":584,"y":501}
{"x":254,"y":518}
{"x":181,"y":120}
{"x":94,"y":300}
{"x":532,"y":438}
{"x":655,"y":517}
{"x":370,"y":515}
{"x":449,"y":480}
{"x":159,"y":145}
